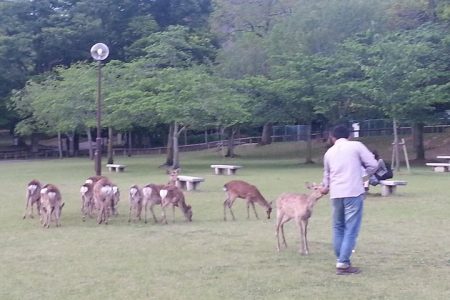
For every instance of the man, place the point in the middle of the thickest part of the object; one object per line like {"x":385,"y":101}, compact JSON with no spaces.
{"x":344,"y":164}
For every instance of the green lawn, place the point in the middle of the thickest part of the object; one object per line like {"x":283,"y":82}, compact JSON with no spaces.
{"x":403,"y":249}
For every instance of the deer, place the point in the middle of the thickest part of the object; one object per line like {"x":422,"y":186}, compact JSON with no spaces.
{"x":241,"y":189}
{"x":116,"y":199}
{"x":299,"y":207}
{"x":33,"y":196}
{"x":87,"y":200}
{"x":173,"y":195}
{"x":94,"y":179}
{"x":151,"y":197}
{"x":136,"y":197}
{"x":51,"y":204}
{"x":103,"y":197}
{"x":173,"y":176}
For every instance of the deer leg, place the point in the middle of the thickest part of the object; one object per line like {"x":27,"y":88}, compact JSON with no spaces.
{"x":302,"y":237}
{"x":254,"y":209}
{"x":164,"y":219}
{"x":282,"y":232}
{"x":153,"y":213}
{"x":26,"y":208}
{"x":225,"y":204}
{"x":228,"y":203}
{"x":173,"y":212}
{"x":129,"y":213}
{"x":305,"y":235}
{"x":57,"y":216}
{"x":145,"y":204}
{"x":277,"y":231}
{"x":32,"y":212}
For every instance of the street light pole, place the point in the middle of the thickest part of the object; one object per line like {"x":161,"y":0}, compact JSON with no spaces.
{"x":98,"y":140}
{"x":99,"y":52}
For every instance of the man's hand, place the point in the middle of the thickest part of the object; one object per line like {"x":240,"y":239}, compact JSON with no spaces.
{"x":324,"y":190}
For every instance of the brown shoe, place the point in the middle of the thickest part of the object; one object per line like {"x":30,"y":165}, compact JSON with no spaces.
{"x":347,"y":271}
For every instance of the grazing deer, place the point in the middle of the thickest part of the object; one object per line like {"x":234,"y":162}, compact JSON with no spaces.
{"x":87,"y":200}
{"x":51,"y":204}
{"x":173,"y":195}
{"x":103,"y":197}
{"x":135,"y":202}
{"x":298,"y":207}
{"x":151,"y":197}
{"x":33,"y":198}
{"x":241,"y":189}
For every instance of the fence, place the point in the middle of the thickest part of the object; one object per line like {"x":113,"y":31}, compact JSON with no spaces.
{"x":281,"y":134}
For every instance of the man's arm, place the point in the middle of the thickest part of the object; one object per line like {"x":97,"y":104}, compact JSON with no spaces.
{"x":326,"y":176}
{"x":368,"y":160}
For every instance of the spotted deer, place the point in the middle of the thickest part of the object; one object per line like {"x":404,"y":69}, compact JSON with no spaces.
{"x":298,"y":207}
{"x":33,"y":196}
{"x":173,"y":176}
{"x":51,"y":205}
{"x":87,"y":200}
{"x":240,"y":189}
{"x":173,"y":195}
{"x":103,"y":198}
{"x":135,"y":202}
{"x":151,"y":197}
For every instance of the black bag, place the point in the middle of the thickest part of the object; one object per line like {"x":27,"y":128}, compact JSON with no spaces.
{"x":389,"y":174}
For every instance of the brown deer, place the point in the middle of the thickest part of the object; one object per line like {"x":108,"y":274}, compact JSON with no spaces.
{"x":173,"y":195}
{"x":51,"y":205}
{"x":173,"y":176}
{"x":87,"y":200}
{"x":103,"y":197}
{"x":151,"y":197}
{"x":33,"y":198}
{"x":298,"y":207}
{"x":94,"y":179}
{"x":241,"y":189}
{"x":135,"y":202}
{"x":116,"y":199}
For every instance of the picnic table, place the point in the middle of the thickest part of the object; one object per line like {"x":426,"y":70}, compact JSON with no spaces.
{"x":388,"y":187}
{"x":116,"y":167}
{"x":188,"y":183}
{"x":441,"y":167}
{"x":220,"y":169}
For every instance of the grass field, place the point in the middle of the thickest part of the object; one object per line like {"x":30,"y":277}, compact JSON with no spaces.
{"x":403,"y":249}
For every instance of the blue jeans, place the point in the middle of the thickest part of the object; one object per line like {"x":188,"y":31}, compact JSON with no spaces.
{"x":347,"y":216}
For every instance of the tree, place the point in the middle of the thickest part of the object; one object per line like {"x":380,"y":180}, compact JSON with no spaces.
{"x":408,"y":75}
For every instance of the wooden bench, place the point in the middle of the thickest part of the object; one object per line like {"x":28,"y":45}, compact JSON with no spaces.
{"x":116,"y":167}
{"x":188,"y":183}
{"x":220,"y":169}
{"x":439,"y":167}
{"x":388,"y":187}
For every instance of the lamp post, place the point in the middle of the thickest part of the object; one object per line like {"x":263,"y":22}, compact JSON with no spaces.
{"x":99,"y":52}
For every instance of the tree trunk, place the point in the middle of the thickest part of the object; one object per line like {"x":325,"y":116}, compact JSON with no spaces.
{"x":91,"y":150}
{"x":34,"y":143}
{"x":110,"y":146}
{"x":266,"y":137}
{"x":230,"y":143}
{"x":71,"y":146}
{"x":308,"y":146}
{"x":176,"y":150}
{"x":130,"y":143}
{"x":169,"y":154}
{"x":418,"y":140}
{"x":60,"y":151}
{"x":395,"y":151}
